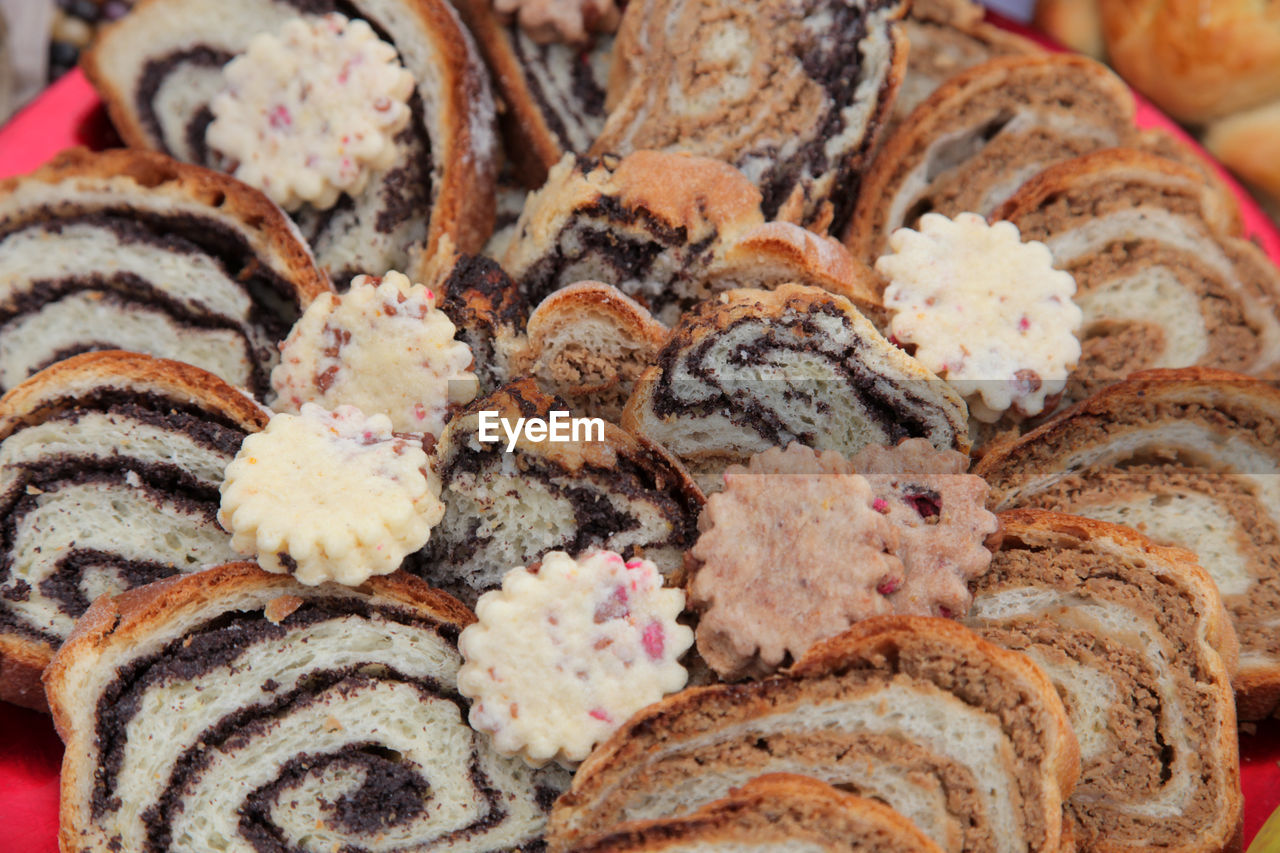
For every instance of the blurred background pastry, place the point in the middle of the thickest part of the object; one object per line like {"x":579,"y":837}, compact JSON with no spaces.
{"x":1212,"y":64}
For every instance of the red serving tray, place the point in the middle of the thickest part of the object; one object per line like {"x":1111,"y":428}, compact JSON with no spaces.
{"x":68,"y":114}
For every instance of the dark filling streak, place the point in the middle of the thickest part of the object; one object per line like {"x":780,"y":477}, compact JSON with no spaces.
{"x":393,"y":793}
{"x":583,"y":100}
{"x":274,"y":303}
{"x":216,"y":643}
{"x":64,"y":585}
{"x":407,"y":189}
{"x":596,"y":517}
{"x":630,"y":259}
{"x":155,"y":72}
{"x":833,"y":60}
{"x":238,"y":730}
{"x":163,"y":484}
{"x":875,"y":392}
{"x":208,"y":428}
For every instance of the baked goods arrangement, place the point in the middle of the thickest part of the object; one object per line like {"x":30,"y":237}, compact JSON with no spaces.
{"x":861,"y":438}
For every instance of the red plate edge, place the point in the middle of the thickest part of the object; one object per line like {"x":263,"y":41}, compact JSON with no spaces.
{"x":68,"y":114}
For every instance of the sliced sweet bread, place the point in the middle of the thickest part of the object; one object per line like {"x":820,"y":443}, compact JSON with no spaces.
{"x":1190,"y":458}
{"x":791,"y":93}
{"x":110,"y":464}
{"x":947,"y":38}
{"x":968,"y":741}
{"x":779,"y":812}
{"x":1136,"y":640}
{"x":489,"y":312}
{"x":553,"y":93}
{"x":981,"y":134}
{"x":237,"y":709}
{"x":508,"y":503}
{"x":668,"y":230}
{"x":132,"y":250}
{"x":1160,"y":282}
{"x":754,"y":369}
{"x":588,"y":343}
{"x":159,"y":67}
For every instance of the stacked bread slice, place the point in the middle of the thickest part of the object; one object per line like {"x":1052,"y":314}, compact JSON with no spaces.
{"x":512,"y":498}
{"x":132,"y":250}
{"x":1188,"y":457}
{"x":791,"y":92}
{"x":968,"y":741}
{"x":1161,"y":279}
{"x":668,"y":230}
{"x":779,"y":812}
{"x":1137,"y":642}
{"x":242,"y":710}
{"x":947,"y":37}
{"x":109,"y":471}
{"x":553,"y":92}
{"x":754,"y":369}
{"x":981,"y":134}
{"x":159,"y":67}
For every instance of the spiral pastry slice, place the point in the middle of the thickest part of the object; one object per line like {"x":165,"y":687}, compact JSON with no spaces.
{"x":668,"y":230}
{"x":240,"y":710}
{"x":968,"y":741}
{"x":109,"y":471}
{"x":554,"y":92}
{"x":755,"y":369}
{"x":947,"y":38}
{"x":1160,"y":283}
{"x":510,"y":500}
{"x":1136,"y":640}
{"x":981,"y":134}
{"x":160,"y":67}
{"x":774,"y":814}
{"x":1191,"y":458}
{"x":132,"y":250}
{"x":791,"y":92}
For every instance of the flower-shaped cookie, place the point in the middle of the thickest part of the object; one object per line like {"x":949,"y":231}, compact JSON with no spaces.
{"x":308,"y":114}
{"x":566,"y":651}
{"x":791,"y":552}
{"x":983,"y":310}
{"x":563,"y":21}
{"x":382,"y":347}
{"x":942,"y":520}
{"x":329,"y":496}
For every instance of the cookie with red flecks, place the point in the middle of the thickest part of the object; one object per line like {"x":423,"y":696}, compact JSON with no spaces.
{"x":567,"y":650}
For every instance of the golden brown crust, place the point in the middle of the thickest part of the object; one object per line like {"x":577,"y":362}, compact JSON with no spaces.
{"x":464,"y":184}
{"x":997,"y":465}
{"x":1219,"y":212}
{"x":887,"y":634}
{"x":530,"y":145}
{"x":157,"y":173}
{"x":32,"y":401}
{"x":901,"y":152}
{"x":875,"y":643}
{"x":22,"y":662}
{"x":130,"y":617}
{"x":795,"y":802}
{"x":1196,"y":61}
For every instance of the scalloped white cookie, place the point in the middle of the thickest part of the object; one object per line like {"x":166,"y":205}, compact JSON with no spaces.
{"x":308,"y":113}
{"x":984,"y":310}
{"x":329,"y":496}
{"x":565,"y":652}
{"x":382,"y":347}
